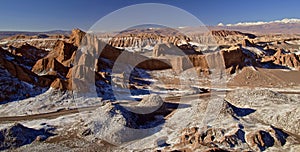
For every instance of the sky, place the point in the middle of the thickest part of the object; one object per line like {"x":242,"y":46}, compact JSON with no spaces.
{"x":45,"y":15}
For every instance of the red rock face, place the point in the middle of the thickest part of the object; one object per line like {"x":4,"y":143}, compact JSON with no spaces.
{"x":61,"y":59}
{"x":49,"y":66}
{"x":246,"y":42}
{"x":56,"y":66}
{"x":52,"y":68}
{"x":290,"y":59}
{"x":76,"y":37}
{"x":29,"y":52}
{"x":284,"y":59}
{"x":233,"y":57}
{"x":233,"y":60}
{"x":225,"y":33}
{"x":58,"y":62}
{"x":62,"y":84}
{"x":16,"y":70}
{"x":143,"y":37}
{"x":18,"y":82}
{"x":130,"y":58}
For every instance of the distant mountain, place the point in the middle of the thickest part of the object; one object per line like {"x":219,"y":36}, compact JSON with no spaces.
{"x":284,"y":26}
{"x":283,"y":21}
{"x":4,"y":34}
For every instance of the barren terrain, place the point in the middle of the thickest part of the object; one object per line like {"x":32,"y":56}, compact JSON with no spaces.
{"x":156,"y":89}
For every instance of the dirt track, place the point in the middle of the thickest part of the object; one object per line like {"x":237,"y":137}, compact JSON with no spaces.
{"x":49,"y":115}
{"x":55,"y":114}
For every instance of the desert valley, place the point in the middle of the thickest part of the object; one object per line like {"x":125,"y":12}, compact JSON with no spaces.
{"x":229,"y":88}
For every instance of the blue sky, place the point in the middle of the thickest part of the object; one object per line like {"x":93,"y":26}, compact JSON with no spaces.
{"x":43,"y":15}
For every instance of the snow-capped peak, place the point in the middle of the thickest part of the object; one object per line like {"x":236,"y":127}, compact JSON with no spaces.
{"x":220,"y":24}
{"x":285,"y":21}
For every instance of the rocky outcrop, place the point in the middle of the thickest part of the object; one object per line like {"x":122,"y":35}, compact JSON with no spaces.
{"x":35,"y":36}
{"x":199,"y":61}
{"x":17,"y":82}
{"x":52,"y":68}
{"x":13,"y":88}
{"x":180,"y":58}
{"x":28,"y":52}
{"x":150,"y":104}
{"x":58,"y":62}
{"x":283,"y":58}
{"x":246,"y":43}
{"x":16,"y":70}
{"x":61,"y":84}
{"x":165,"y":49}
{"x":182,"y":63}
{"x":119,"y":127}
{"x":63,"y":52}
{"x":133,"y":59}
{"x":260,"y":140}
{"x":233,"y":57}
{"x":49,"y":66}
{"x":148,"y":37}
{"x":279,"y":110}
{"x":195,"y":138}
{"x":19,"y":135}
{"x":228,"y":139}
{"x":76,"y":37}
{"x":40,"y":40}
{"x":226,"y":33}
{"x":222,"y":37}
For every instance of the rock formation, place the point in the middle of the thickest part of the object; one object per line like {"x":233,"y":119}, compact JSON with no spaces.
{"x":150,"y":37}
{"x":226,"y":33}
{"x":178,"y":93}
{"x":283,"y":58}
{"x":246,"y":43}
{"x":15,"y":69}
{"x":76,"y":37}
{"x":49,"y":66}
{"x":28,"y":52}
{"x":19,"y":135}
{"x":282,"y":114}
